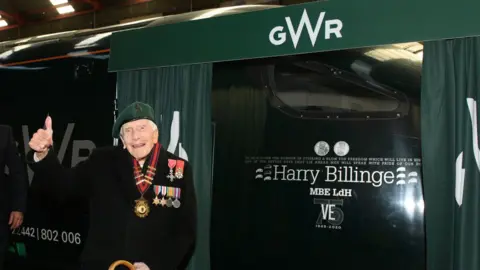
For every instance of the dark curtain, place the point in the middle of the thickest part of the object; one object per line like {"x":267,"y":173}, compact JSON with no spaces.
{"x":451,"y":158}
{"x":181,"y":98}
{"x":240,"y":113}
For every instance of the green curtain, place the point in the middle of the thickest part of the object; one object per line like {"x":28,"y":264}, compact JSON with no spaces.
{"x":240,"y":113}
{"x":451,"y":158}
{"x":181,"y":98}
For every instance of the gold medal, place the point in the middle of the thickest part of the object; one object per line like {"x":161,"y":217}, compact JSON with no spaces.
{"x":157,"y":190}
{"x":141,"y":208}
{"x":163,"y":191}
{"x":163,"y":202}
{"x":143,"y":182}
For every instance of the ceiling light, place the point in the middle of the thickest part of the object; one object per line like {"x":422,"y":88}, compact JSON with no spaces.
{"x":3,"y":23}
{"x":65,"y":9}
{"x":58,"y":2}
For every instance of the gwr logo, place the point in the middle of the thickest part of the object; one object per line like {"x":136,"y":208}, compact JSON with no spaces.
{"x":278,"y":36}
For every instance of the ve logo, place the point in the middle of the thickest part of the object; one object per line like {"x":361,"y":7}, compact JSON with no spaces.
{"x":459,"y":170}
{"x":278,"y":36}
{"x":330,"y":212}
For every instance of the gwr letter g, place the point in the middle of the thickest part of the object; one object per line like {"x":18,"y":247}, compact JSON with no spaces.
{"x":280,"y":37}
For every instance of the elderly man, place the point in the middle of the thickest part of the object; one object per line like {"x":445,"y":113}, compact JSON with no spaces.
{"x":13,"y":188}
{"x":142,"y":199}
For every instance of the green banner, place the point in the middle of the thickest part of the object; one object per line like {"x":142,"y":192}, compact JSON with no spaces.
{"x":296,"y":29}
{"x":451,"y":159}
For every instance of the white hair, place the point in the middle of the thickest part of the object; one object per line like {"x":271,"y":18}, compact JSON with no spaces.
{"x":154,"y":126}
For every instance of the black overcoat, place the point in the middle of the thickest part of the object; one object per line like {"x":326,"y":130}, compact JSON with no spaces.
{"x":14,"y":187}
{"x":163,"y":240}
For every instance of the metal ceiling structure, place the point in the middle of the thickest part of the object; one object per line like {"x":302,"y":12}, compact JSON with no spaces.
{"x":27,"y":18}
{"x":23,"y":12}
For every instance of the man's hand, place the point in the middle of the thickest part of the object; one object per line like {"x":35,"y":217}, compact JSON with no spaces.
{"x":140,"y":266}
{"x":42,"y":139}
{"x":16,"y":219}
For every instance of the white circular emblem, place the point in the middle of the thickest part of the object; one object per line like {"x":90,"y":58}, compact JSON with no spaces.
{"x":321,"y":148}
{"x":341,"y":148}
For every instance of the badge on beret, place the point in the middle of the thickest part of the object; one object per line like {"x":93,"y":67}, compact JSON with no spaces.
{"x":134,"y":111}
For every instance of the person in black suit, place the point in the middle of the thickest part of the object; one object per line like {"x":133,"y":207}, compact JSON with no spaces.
{"x":142,"y":198}
{"x":13,"y":189}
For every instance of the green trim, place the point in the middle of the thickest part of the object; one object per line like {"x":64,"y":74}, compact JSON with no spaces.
{"x":246,"y":35}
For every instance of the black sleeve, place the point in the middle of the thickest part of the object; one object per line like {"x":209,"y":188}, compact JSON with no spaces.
{"x":62,"y":182}
{"x":185,"y":229}
{"x":18,"y":175}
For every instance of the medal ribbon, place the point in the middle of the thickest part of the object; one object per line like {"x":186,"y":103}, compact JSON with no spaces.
{"x":143,"y":182}
{"x":172,"y":163}
{"x":157,"y":190}
{"x":179,"y":169}
{"x":177,"y":193}
{"x":170,"y":192}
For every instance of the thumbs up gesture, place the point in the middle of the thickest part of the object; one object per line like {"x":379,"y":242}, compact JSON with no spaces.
{"x":42,"y":139}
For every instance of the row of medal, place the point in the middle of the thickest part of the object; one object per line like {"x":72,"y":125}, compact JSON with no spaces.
{"x":170,"y":196}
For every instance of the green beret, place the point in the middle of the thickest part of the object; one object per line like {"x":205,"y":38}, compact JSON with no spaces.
{"x":132,"y":112}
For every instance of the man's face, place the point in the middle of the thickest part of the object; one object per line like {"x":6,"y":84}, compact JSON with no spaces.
{"x":139,"y":137}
